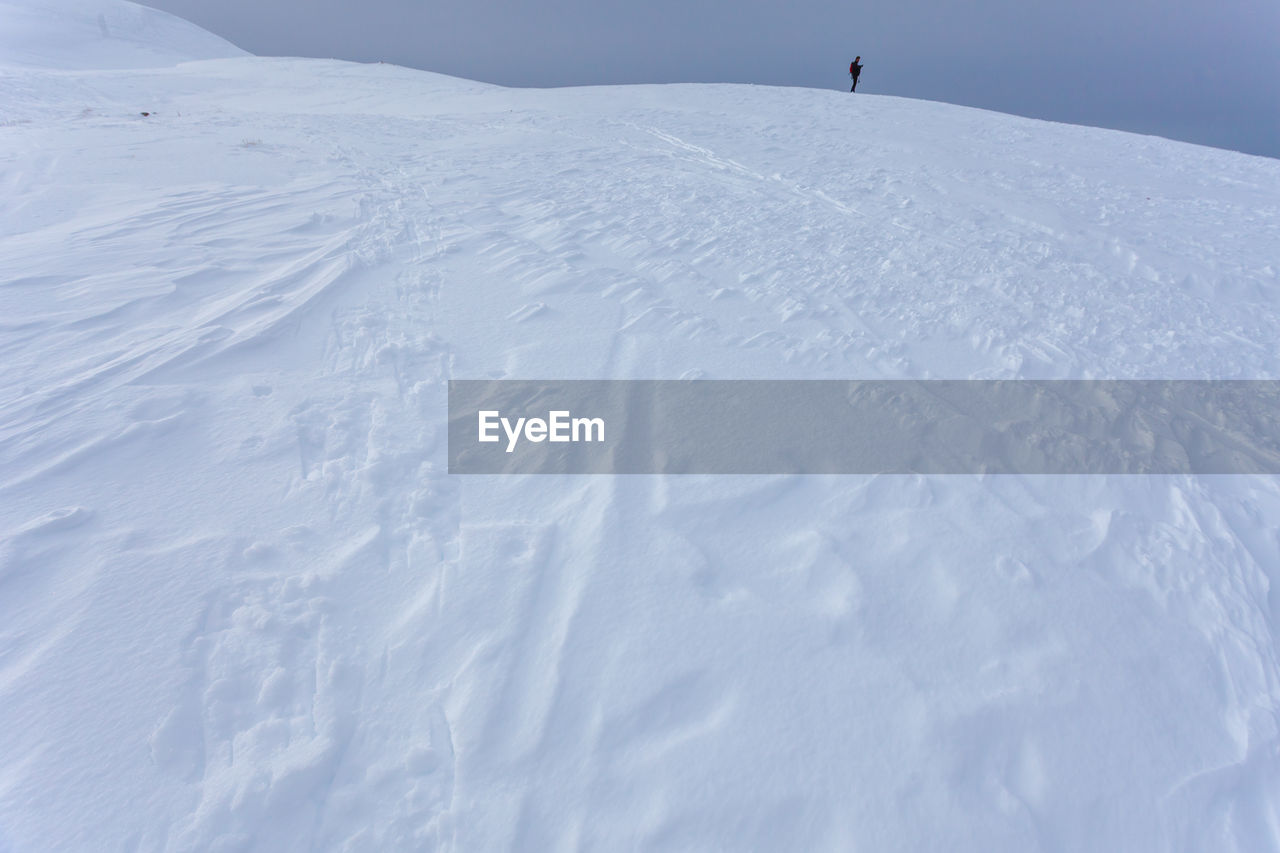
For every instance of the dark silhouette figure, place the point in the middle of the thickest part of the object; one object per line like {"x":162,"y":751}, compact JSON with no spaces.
{"x":855,"y":68}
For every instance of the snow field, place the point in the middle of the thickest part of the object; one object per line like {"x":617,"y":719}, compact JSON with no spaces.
{"x":243,"y":607}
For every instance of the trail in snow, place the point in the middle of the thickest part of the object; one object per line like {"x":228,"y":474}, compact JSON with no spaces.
{"x":242,"y":606}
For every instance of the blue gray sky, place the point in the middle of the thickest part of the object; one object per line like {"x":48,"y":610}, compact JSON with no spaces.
{"x":1206,"y":72}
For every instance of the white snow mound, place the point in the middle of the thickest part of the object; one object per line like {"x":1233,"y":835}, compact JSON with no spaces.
{"x":84,"y":34}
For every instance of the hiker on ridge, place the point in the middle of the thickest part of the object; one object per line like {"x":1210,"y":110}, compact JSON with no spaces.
{"x":855,"y":68}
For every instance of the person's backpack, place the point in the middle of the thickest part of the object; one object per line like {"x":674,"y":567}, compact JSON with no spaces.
{"x":850,"y":67}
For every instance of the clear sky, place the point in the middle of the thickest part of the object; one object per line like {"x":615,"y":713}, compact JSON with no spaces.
{"x":1202,"y":71}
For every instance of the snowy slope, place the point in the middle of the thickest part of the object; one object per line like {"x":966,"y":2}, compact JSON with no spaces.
{"x":242,"y":605}
{"x":83,"y":34}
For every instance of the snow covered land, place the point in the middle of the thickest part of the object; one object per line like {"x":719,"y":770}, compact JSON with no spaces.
{"x":243,"y":605}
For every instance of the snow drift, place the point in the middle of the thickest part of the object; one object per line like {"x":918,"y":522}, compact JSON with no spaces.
{"x":242,"y":605}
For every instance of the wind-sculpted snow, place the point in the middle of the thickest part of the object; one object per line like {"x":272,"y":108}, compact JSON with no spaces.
{"x":243,"y":606}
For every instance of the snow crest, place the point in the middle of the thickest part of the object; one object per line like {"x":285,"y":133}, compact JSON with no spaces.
{"x":88,"y":34}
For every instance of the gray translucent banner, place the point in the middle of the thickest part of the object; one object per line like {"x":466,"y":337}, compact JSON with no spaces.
{"x":864,"y":427}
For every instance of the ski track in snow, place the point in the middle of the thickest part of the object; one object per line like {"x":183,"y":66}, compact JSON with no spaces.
{"x":243,"y":607}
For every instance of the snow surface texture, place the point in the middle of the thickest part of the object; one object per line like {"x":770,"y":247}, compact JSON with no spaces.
{"x":243,"y":607}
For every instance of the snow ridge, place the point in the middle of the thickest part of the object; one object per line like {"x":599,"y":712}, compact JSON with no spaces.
{"x":88,"y":34}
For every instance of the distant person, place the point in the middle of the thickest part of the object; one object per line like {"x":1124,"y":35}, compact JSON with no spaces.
{"x":855,"y":68}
